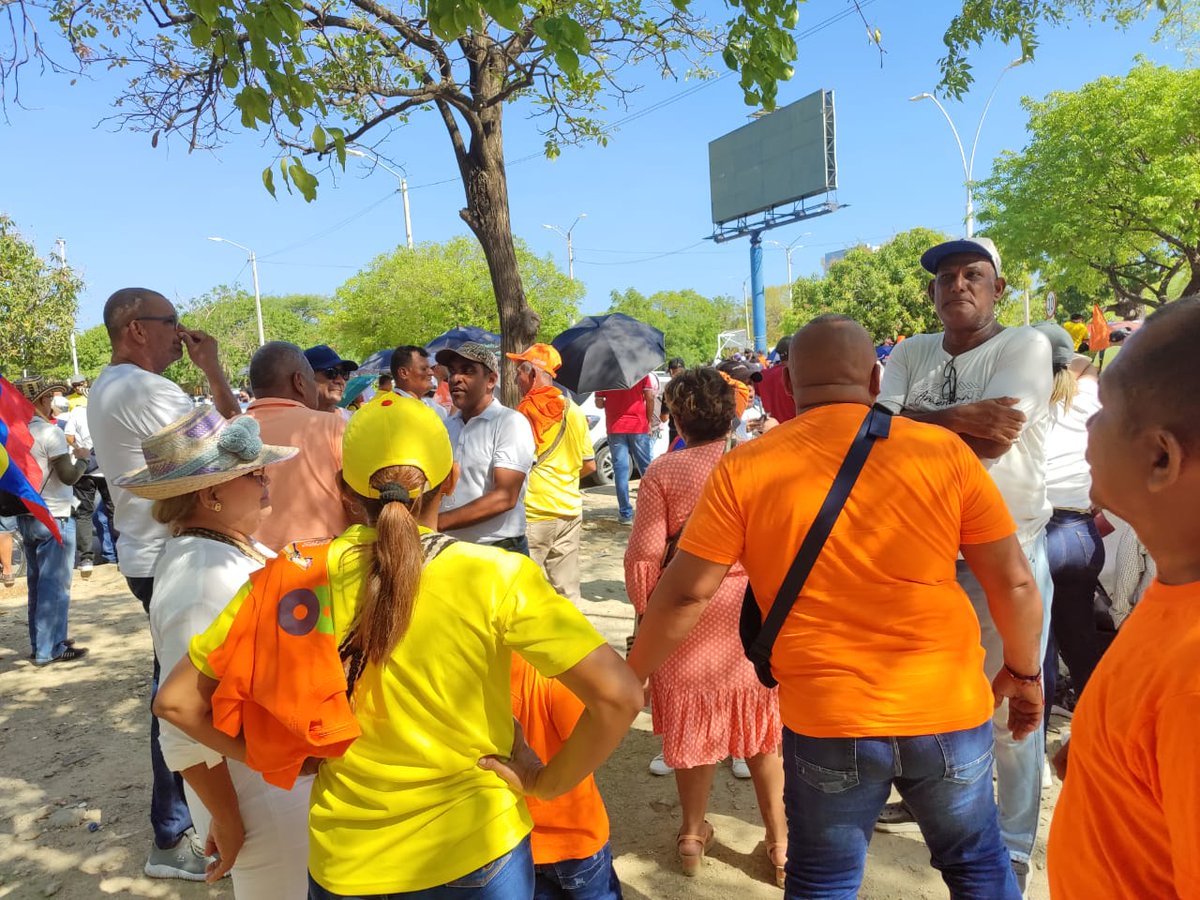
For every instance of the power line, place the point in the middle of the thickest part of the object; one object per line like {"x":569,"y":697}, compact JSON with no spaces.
{"x":328,"y":231}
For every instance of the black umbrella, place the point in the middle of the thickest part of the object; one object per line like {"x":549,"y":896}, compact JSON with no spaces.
{"x":460,"y":335}
{"x":606,"y":353}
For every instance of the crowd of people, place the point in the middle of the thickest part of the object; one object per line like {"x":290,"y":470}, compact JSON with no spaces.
{"x":372,"y":676}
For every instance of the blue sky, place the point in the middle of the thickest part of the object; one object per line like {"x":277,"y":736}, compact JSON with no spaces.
{"x":134,"y":215}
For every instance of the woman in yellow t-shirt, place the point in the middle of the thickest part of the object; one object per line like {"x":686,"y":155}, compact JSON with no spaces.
{"x":426,"y":803}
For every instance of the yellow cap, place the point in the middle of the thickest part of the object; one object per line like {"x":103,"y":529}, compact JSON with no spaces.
{"x":393,"y":430}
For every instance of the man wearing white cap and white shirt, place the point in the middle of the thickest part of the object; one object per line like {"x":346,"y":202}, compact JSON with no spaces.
{"x":493,"y":447}
{"x":991,"y":385}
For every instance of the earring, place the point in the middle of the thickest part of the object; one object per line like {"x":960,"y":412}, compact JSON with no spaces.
{"x":216,"y":506}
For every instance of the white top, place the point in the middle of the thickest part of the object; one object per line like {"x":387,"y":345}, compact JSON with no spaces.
{"x":497,"y":438}
{"x":428,"y":401}
{"x":193,"y":582}
{"x":49,"y":443}
{"x":1014,"y":363}
{"x":1068,"y":475}
{"x":125,"y":405}
{"x":77,"y":427}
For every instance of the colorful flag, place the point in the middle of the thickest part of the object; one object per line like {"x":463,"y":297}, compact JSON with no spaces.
{"x":1098,"y":330}
{"x":19,"y":471}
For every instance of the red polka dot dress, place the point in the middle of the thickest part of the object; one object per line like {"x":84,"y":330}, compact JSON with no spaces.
{"x":707,"y":703}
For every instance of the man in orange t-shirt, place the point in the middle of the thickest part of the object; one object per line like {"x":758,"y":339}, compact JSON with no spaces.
{"x":571,"y":856}
{"x":879,"y":663}
{"x":1128,"y":821}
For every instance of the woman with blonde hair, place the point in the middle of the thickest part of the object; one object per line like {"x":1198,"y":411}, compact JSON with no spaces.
{"x":706,"y":700}
{"x":426,"y":802}
{"x":208,"y":479}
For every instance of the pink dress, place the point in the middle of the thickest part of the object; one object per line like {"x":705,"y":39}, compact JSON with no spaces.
{"x":707,"y":702}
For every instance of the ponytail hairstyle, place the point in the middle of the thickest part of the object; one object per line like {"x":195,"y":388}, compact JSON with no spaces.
{"x":385,"y":608}
{"x":1066,"y":386}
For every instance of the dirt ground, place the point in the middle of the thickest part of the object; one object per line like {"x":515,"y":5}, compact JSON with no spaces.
{"x":75,"y":769}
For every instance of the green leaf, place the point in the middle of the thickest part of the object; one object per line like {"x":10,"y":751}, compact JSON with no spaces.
{"x":229,"y":75}
{"x":318,"y":138}
{"x":268,"y":179}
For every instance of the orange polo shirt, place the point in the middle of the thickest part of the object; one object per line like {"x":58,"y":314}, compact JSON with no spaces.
{"x":306,"y":500}
{"x":1128,"y":821}
{"x":882,"y":641}
{"x":575,"y":825}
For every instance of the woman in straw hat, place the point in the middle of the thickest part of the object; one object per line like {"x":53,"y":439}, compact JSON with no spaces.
{"x":426,"y":803}
{"x":208,"y":480}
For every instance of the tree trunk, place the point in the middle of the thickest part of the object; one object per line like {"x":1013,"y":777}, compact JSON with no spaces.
{"x":487,"y":215}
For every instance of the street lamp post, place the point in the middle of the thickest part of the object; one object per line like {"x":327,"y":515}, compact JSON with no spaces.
{"x":254,"y":272}
{"x":969,"y":165}
{"x":570,"y":246}
{"x":60,"y":251}
{"x":403,"y":188}
{"x":788,"y":250}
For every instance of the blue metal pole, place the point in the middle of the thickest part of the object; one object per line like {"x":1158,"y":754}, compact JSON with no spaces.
{"x":756,"y":291}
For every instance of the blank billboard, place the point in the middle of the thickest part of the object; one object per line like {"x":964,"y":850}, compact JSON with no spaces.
{"x":782,"y":157}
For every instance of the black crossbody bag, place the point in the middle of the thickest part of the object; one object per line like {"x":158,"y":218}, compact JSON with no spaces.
{"x":758,"y":637}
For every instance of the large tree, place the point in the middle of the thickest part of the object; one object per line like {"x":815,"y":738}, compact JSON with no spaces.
{"x":38,"y":300}
{"x":689,"y":321}
{"x":884,"y":289}
{"x":319,"y":74}
{"x":411,"y":296}
{"x":1105,"y":198}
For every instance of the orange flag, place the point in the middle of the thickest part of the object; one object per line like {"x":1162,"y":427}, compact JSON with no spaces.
{"x":1098,"y":330}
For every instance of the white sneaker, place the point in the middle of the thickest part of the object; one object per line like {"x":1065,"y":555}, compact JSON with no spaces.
{"x":1047,"y":775}
{"x":185,"y":860}
{"x":85,"y":569}
{"x":740,"y":769}
{"x":658,"y":766}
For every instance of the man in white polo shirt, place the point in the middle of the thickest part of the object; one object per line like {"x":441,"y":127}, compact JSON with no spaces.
{"x":493,"y":447}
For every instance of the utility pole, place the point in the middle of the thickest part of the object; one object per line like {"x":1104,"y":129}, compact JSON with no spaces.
{"x":254,"y":271}
{"x":408,"y":234}
{"x":60,"y":249}
{"x":570,"y":245}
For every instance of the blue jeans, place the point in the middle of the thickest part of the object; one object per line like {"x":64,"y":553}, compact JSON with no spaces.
{"x":169,"y":814}
{"x":835,"y":788}
{"x":1018,"y":763}
{"x":1076,"y":557}
{"x":593,"y":878}
{"x":48,"y":567}
{"x":508,"y":877}
{"x":620,"y":447}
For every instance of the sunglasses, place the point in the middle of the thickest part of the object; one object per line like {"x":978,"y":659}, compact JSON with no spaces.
{"x":172,"y":321}
{"x":333,"y":373}
{"x":950,"y":382}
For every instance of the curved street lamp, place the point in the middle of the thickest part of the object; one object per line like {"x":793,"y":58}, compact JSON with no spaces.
{"x":254,"y":270}
{"x":969,"y":165}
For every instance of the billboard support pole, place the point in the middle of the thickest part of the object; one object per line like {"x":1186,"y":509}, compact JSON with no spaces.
{"x":756,"y":290}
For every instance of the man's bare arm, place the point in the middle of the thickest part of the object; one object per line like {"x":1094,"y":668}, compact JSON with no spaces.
{"x":988,"y":427}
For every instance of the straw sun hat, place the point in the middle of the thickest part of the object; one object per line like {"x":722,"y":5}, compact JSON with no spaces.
{"x":198,"y":451}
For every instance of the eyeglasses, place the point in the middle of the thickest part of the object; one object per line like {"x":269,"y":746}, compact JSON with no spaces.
{"x":173,"y":321}
{"x":950,"y":382}
{"x":333,"y":373}
{"x":259,"y":475}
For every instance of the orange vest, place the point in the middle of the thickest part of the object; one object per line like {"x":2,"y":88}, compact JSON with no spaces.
{"x":282,"y":683}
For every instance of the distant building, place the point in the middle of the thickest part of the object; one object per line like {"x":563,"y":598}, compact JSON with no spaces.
{"x":834,"y":255}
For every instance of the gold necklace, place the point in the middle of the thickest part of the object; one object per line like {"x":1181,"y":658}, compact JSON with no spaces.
{"x":220,"y":537}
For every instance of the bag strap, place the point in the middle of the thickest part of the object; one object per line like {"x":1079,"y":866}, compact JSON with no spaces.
{"x":562,"y":430}
{"x":876,"y":425}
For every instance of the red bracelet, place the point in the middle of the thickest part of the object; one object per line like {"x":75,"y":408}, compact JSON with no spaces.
{"x":1024,"y":679}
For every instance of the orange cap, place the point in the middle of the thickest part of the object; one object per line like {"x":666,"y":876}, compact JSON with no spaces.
{"x":544,"y":356}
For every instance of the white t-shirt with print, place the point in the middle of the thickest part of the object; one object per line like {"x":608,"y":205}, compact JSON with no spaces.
{"x":1014,"y":363}
{"x":126,"y":404}
{"x":497,"y":438}
{"x":49,"y":443}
